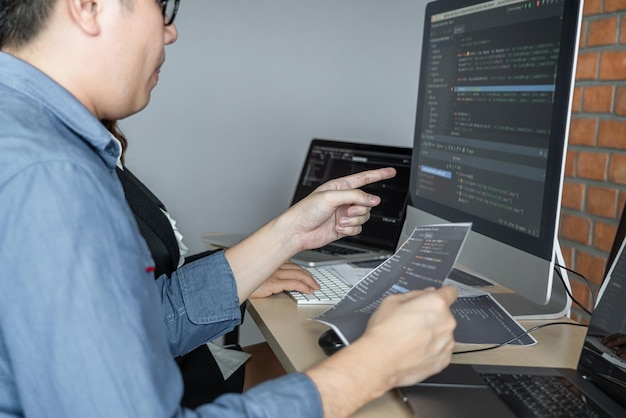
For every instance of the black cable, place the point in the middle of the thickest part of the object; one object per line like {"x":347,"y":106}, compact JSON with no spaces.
{"x":533,"y":329}
{"x":580,"y":305}
{"x":587,"y":281}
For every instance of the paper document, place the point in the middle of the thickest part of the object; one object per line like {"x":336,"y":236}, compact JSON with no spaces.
{"x":482,"y":320}
{"x":424,"y":260}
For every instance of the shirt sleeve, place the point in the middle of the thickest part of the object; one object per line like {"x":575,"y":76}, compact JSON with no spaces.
{"x":200,"y":302}
{"x":290,"y":396}
{"x":81,"y":320}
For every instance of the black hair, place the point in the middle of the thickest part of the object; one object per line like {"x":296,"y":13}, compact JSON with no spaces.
{"x":22,"y":20}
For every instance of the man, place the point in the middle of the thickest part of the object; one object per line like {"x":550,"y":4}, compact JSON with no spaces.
{"x":84,"y":330}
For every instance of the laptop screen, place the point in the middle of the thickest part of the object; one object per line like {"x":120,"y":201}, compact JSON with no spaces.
{"x":328,"y":159}
{"x":603,"y":358}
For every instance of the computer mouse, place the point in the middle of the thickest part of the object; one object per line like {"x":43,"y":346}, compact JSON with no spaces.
{"x":330,"y":342}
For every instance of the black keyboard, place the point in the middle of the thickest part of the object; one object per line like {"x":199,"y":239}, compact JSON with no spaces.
{"x":338,"y":250}
{"x":540,"y":396}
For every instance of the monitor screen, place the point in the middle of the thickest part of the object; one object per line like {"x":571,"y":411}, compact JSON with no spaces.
{"x":492,"y":119}
{"x":602,"y":360}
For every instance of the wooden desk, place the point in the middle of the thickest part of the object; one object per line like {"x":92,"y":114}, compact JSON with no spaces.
{"x":293,"y":337}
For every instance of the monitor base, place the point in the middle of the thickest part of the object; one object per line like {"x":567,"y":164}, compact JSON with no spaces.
{"x":558,"y":306}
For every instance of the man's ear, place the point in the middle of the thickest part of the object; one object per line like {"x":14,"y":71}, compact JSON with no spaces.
{"x":87,"y":14}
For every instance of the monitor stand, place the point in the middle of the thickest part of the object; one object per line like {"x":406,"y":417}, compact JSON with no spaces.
{"x":489,"y":259}
{"x":558,"y":306}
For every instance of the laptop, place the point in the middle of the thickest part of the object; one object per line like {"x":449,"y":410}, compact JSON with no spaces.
{"x":328,"y":159}
{"x":597,"y":386}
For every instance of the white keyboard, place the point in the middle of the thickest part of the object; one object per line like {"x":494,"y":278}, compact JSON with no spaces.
{"x":331,"y":292}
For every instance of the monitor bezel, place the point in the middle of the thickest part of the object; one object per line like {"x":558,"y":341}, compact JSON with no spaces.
{"x":543,"y":245}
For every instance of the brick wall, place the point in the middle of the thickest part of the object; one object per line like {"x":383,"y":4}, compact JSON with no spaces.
{"x":594,"y":191}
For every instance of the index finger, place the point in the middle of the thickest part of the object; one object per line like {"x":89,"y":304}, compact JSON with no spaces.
{"x":357,"y":180}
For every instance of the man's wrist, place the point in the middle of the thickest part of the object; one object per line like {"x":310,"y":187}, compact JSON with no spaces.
{"x":351,"y":367}
{"x":283,"y":228}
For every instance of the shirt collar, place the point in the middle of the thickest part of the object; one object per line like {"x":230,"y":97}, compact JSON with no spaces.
{"x":30,"y":81}
{"x":119,"y":154}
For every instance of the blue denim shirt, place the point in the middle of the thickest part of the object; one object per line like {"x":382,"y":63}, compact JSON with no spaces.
{"x":85,"y":331}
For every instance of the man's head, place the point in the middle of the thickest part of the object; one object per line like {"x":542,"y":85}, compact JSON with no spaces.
{"x":22,"y":20}
{"x":107,"y":53}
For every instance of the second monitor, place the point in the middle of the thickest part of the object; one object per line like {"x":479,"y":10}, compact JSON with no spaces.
{"x":491,"y":132}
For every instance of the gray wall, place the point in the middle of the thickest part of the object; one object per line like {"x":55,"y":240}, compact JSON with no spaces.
{"x":250,"y":82}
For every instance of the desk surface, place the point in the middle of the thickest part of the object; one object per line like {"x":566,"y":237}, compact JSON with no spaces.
{"x":293,"y":337}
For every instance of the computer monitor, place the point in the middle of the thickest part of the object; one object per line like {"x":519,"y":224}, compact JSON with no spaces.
{"x":493,"y":107}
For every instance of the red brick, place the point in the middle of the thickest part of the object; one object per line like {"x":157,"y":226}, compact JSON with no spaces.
{"x":617,"y":169}
{"x":612,"y":134}
{"x":598,"y":99}
{"x":603,"y":236}
{"x":602,"y":32}
{"x":620,"y":98}
{"x":622,"y":202}
{"x":582,"y":131}
{"x":613,"y":66}
{"x":570,"y":163}
{"x":580,"y":291}
{"x":568,"y":255}
{"x":573,"y":195}
{"x":592,"y":7}
{"x":592,"y":165}
{"x":577,"y":100}
{"x":622,"y":35}
{"x":614,"y":5}
{"x":582,"y":38}
{"x":602,"y":201}
{"x":576,"y":228}
{"x":590,"y":266}
{"x":588,"y":64}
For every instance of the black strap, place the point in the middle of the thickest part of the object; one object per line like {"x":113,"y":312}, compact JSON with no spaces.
{"x":201,"y":374}
{"x":153,"y":225}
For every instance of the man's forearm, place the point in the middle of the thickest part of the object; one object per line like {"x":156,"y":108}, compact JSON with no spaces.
{"x":349,"y":379}
{"x":254,"y":259}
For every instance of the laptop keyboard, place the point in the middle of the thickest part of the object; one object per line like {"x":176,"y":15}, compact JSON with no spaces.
{"x":331,"y":291}
{"x":607,"y":353}
{"x":338,"y":250}
{"x":539,"y":396}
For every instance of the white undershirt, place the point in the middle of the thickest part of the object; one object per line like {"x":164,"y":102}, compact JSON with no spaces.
{"x":182,"y":248}
{"x":228,"y":360}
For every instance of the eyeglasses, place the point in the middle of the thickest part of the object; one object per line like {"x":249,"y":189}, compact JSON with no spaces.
{"x":169,"y":10}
